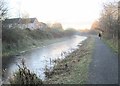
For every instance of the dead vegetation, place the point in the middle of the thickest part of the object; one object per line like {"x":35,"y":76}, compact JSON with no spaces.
{"x":24,"y":76}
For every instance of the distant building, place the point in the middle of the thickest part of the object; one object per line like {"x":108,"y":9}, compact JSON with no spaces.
{"x":43,"y":26}
{"x":10,"y":23}
{"x":31,"y":23}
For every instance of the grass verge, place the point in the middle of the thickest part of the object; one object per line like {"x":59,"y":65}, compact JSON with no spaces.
{"x":113,"y":44}
{"x":74,"y":68}
{"x":31,"y":44}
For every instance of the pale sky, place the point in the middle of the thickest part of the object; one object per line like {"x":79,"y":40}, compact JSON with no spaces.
{"x":77,"y":14}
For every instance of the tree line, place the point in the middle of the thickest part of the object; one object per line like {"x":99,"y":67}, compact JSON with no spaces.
{"x":109,"y":22}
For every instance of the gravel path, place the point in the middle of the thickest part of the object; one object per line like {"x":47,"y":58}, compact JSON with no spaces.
{"x":104,"y":66}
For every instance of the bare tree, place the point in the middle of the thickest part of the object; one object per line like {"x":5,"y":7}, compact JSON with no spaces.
{"x":109,"y":20}
{"x":3,"y":9}
{"x":57,"y":26}
{"x":119,"y":12}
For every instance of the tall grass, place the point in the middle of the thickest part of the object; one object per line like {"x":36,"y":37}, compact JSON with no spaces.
{"x":17,"y":39}
{"x":25,"y":76}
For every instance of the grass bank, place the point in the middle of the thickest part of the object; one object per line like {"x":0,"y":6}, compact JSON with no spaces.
{"x":31,"y":44}
{"x":74,"y":68}
{"x":16,"y":40}
{"x":112,"y":43}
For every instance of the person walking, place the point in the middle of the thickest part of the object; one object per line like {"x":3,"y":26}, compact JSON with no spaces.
{"x":99,"y":35}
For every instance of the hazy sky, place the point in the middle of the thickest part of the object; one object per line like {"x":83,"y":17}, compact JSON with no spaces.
{"x":70,"y":13}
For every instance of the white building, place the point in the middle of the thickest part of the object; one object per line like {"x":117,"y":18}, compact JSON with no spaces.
{"x":23,"y":23}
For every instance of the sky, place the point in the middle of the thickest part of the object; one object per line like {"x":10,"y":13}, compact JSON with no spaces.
{"x":78,"y":14}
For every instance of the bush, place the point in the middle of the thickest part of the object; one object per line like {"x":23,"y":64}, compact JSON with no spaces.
{"x":24,"y":76}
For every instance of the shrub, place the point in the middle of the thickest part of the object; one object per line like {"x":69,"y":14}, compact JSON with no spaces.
{"x":24,"y":76}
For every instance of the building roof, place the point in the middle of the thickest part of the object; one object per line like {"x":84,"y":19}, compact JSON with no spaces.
{"x":30,"y":20}
{"x":9,"y":21}
{"x":19,"y":20}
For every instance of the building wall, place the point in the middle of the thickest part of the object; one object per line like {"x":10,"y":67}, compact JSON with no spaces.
{"x":32,"y":26}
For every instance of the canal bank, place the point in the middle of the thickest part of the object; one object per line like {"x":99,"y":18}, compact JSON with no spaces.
{"x":74,"y":68}
{"x":37,"y":59}
{"x":6,"y":59}
{"x":33,"y":44}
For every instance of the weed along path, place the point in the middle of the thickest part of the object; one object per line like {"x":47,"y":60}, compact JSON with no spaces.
{"x":104,"y":66}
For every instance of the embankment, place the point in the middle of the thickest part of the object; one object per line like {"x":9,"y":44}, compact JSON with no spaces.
{"x":74,"y":68}
{"x":16,"y":40}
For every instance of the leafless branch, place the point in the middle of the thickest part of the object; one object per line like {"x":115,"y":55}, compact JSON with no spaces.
{"x":3,"y":9}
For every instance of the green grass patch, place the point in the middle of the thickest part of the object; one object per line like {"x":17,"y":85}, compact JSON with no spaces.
{"x":112,"y":43}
